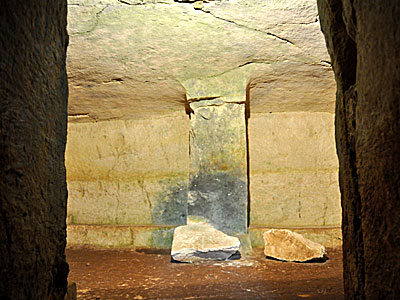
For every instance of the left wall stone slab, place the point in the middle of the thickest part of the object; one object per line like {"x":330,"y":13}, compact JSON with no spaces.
{"x":33,"y":130}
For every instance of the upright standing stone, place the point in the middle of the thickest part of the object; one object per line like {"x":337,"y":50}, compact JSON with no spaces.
{"x":218,"y":164}
{"x":363,"y":42}
{"x":33,"y":133}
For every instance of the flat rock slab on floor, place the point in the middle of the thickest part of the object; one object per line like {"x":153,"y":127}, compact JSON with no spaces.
{"x":286,"y":245}
{"x":202,"y":242}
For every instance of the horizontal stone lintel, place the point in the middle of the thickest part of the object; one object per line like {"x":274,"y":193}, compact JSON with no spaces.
{"x":215,"y":101}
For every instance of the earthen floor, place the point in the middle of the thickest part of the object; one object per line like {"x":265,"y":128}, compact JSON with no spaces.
{"x":103,"y":274}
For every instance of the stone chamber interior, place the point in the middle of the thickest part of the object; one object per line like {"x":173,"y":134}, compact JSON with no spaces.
{"x":105,"y":137}
{"x":130,"y":176}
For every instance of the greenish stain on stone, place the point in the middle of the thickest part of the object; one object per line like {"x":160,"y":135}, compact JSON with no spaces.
{"x":153,"y":237}
{"x":162,"y":238}
{"x":219,"y":199}
{"x":218,"y":138}
{"x":218,"y":191}
{"x":170,"y":205}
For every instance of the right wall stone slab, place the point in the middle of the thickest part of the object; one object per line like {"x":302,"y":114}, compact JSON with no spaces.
{"x":363,"y":42}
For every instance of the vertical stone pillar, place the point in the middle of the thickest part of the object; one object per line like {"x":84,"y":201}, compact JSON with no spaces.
{"x":33,"y":133}
{"x":363,"y":42}
{"x":218,"y":192}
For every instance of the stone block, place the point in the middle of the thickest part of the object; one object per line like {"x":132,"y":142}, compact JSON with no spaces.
{"x":103,"y":236}
{"x":218,"y":165}
{"x":327,"y":236}
{"x":128,"y":172}
{"x":152,"y":237}
{"x":292,"y":198}
{"x":293,"y":170}
{"x":286,"y":245}
{"x":201,"y":242}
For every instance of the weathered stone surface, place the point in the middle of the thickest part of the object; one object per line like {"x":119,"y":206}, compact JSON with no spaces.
{"x":125,"y":148}
{"x":127,"y":60}
{"x":329,"y":237}
{"x":128,"y":172}
{"x":363,"y":42}
{"x":150,"y":158}
{"x":293,"y":170}
{"x":200,"y":242}
{"x":218,"y":165}
{"x":286,"y":245}
{"x":141,"y":58}
{"x":33,"y":130}
{"x":138,"y":169}
{"x":122,"y":236}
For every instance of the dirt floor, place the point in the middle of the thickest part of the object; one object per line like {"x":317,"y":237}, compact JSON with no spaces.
{"x":126,"y":274}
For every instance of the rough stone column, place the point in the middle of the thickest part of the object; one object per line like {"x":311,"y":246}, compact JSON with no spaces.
{"x":343,"y":53}
{"x":218,"y":164}
{"x":218,"y":189}
{"x":363,"y":42}
{"x":33,"y":130}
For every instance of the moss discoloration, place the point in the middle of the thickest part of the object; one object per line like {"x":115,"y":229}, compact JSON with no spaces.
{"x":170,"y":206}
{"x":221,"y":199}
{"x":218,"y":164}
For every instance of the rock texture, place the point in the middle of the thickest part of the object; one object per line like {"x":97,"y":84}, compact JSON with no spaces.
{"x":143,"y":61}
{"x":128,"y":172}
{"x":154,"y":47}
{"x":201,"y":242}
{"x":286,"y":245}
{"x":363,"y":41}
{"x":139,"y":170}
{"x":33,"y":128}
{"x":218,"y":164}
{"x":329,"y":237}
{"x":293,"y":170}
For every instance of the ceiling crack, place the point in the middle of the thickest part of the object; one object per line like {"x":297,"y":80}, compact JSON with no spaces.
{"x":127,"y":2}
{"x":248,"y":28}
{"x":267,"y":32}
{"x":239,"y":66}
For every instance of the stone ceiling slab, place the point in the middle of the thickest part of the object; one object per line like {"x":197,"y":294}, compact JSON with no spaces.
{"x":132,"y":58}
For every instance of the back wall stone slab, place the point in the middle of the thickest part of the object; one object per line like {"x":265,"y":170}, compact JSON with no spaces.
{"x":293,"y":170}
{"x":128,"y":172}
{"x":135,"y":173}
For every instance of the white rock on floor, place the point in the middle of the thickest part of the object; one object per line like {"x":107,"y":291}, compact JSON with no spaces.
{"x":286,"y":245}
{"x":202,"y":242}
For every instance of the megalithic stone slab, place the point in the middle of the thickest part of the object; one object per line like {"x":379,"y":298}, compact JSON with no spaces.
{"x":286,"y":245}
{"x":218,"y":192}
{"x":201,"y":242}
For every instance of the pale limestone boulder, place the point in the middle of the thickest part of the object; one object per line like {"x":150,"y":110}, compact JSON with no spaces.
{"x":286,"y":245}
{"x":201,"y":242}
